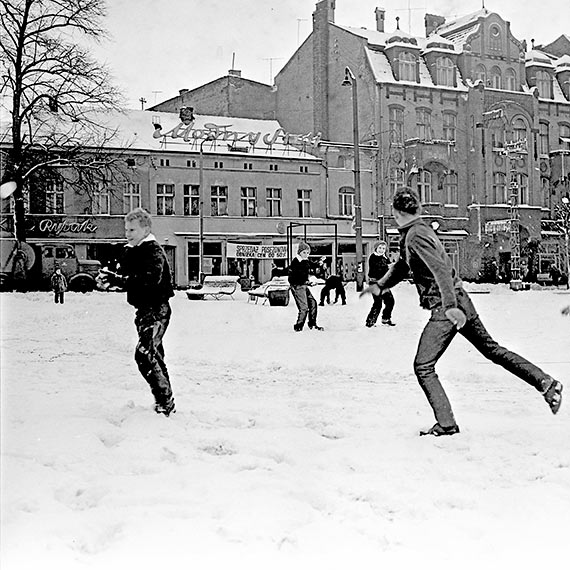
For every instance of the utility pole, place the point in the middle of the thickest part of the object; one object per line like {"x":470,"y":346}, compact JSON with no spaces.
{"x":271,"y":60}
{"x":143,"y":101}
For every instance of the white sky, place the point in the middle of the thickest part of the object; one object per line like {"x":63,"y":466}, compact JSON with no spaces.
{"x":161,"y":46}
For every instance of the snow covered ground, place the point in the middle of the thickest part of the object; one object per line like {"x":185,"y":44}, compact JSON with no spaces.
{"x":288,"y":450}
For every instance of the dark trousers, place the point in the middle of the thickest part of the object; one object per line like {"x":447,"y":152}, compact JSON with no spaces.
{"x":306,"y":305}
{"x":151,"y":325}
{"x":58,"y":297}
{"x":436,"y":337}
{"x":388,"y":299}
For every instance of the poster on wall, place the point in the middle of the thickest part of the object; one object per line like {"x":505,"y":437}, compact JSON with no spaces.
{"x":248,"y":251}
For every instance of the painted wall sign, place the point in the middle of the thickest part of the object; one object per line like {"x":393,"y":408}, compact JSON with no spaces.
{"x":212,"y":131}
{"x":53,"y":227}
{"x":248,"y":251}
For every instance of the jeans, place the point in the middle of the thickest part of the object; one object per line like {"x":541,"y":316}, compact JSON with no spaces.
{"x":151,"y":323}
{"x":436,"y":337}
{"x":58,"y":297}
{"x":306,"y":305}
{"x":388,"y":300}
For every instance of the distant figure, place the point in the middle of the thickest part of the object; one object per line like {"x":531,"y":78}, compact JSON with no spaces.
{"x":334,"y":282}
{"x":299,"y":281}
{"x":19,"y":271}
{"x":378,"y":264}
{"x":452,"y":312}
{"x":555,"y":274}
{"x":58,"y":285}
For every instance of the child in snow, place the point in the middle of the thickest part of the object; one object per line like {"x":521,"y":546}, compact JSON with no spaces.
{"x":452,"y":311}
{"x":299,"y":282}
{"x":145,"y":275}
{"x":378,"y":264}
{"x":58,"y":285}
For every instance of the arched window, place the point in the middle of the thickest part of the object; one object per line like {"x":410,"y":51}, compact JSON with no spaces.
{"x":341,"y":162}
{"x":396,"y":179}
{"x":565,"y":134}
{"x":445,"y":71}
{"x":544,"y":83}
{"x":396,"y":125}
{"x":480,"y":73}
{"x":423,"y":124}
{"x":424,"y":185}
{"x":511,"y":80}
{"x":519,"y":129}
{"x":407,"y":67}
{"x":449,"y":126}
{"x":522,"y":183}
{"x":495,"y":38}
{"x":346,"y":201}
{"x":496,"y":78}
{"x":500,"y":188}
{"x":450,"y":188}
{"x":543,"y":142}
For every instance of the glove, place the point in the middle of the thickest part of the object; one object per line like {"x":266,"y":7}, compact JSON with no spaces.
{"x":456,"y":316}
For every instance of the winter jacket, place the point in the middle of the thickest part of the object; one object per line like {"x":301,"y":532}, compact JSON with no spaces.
{"x":146,"y":275}
{"x":58,"y":283}
{"x":378,"y":266}
{"x":298,"y":272}
{"x":423,"y":254}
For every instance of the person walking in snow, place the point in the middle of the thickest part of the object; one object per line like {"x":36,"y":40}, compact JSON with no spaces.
{"x":145,"y":275}
{"x":378,"y":264}
{"x":299,"y":282}
{"x":452,"y":311}
{"x":58,"y":285}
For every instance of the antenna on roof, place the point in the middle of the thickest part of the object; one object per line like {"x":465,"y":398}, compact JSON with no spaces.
{"x":233,"y":59}
{"x":397,"y":22}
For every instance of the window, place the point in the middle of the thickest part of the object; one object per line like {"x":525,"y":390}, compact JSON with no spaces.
{"x":54,"y":197}
{"x":396,"y":179}
{"x":522,"y":183}
{"x":424,"y":185}
{"x":407,"y":67}
{"x":497,"y":135}
{"x":511,"y":80}
{"x":304,"y":169}
{"x":191,"y":199}
{"x":273,"y":167}
{"x":165,"y":199}
{"x":396,"y":125}
{"x":423,"y":122}
{"x":247,"y":166}
{"x":273,"y":202}
{"x":346,"y":201}
{"x":565,"y":134}
{"x":164,"y":162}
{"x":480,"y":74}
{"x":495,"y":38}
{"x":101,"y":204}
{"x":131,"y":196}
{"x":449,"y":126}
{"x":218,"y":164}
{"x":248,"y":201}
{"x":519,"y":129}
{"x":304,"y":203}
{"x":543,"y":83}
{"x":450,"y":188}
{"x":445,"y":71}
{"x":219,"y":200}
{"x":543,"y":145}
{"x":191,"y":163}
{"x":496,"y":78}
{"x":499,"y":188}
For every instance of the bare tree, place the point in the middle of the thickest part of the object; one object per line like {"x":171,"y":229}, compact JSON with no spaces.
{"x":54,"y":86}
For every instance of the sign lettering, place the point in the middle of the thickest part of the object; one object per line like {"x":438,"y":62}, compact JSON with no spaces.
{"x":53,"y":227}
{"x":249,"y":251}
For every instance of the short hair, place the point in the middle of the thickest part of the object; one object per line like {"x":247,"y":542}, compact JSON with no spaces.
{"x":140,"y":215}
{"x":406,"y":200}
{"x":303,"y":247}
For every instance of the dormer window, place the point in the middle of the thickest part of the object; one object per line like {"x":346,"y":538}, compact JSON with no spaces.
{"x":495,"y":38}
{"x":543,"y":84}
{"x":445,"y":71}
{"x":407,"y":67}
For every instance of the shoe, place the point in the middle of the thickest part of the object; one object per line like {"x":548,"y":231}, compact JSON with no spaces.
{"x":166,"y":409}
{"x":321,"y":304}
{"x":553,"y":395}
{"x":297,"y":328}
{"x":438,"y":430}
{"x":388,"y":322}
{"x":370,"y":325}
{"x":316,"y":327}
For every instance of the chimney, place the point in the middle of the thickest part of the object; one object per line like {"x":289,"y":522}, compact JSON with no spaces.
{"x":182,"y":91}
{"x":433,"y":22}
{"x":380,"y":14}
{"x":234,"y":72}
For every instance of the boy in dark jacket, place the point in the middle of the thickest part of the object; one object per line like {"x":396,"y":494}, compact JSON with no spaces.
{"x":299,"y":282}
{"x":58,"y":285}
{"x":378,"y":264}
{"x":145,"y":275}
{"x":452,"y":311}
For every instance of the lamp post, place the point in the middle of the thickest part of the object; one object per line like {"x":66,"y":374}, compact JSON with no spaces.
{"x":565,"y":214}
{"x":201,"y":211}
{"x":350,"y":80}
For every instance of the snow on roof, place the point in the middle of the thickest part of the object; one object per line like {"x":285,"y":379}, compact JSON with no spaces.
{"x":537,"y":57}
{"x":469,"y":20}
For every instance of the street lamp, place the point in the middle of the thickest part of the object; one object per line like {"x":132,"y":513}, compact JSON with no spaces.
{"x":565,"y":213}
{"x":350,"y":80}
{"x":201,"y":210}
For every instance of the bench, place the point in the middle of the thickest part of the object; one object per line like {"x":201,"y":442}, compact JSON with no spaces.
{"x":216,"y":286}
{"x":276,"y":291}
